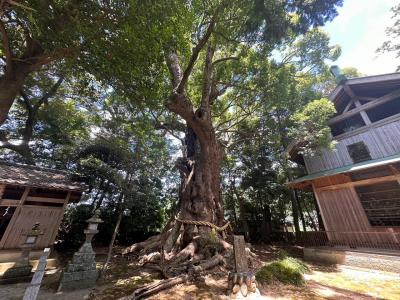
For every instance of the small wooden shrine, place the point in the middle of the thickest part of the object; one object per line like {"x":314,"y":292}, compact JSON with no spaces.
{"x":30,"y":195}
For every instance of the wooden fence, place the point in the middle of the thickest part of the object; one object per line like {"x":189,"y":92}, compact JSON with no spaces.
{"x":372,"y":240}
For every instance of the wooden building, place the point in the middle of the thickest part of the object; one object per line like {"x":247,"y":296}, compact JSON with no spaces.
{"x":357,"y":186}
{"x":31,"y":194}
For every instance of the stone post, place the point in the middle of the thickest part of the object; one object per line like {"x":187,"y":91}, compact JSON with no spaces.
{"x":81,"y":272}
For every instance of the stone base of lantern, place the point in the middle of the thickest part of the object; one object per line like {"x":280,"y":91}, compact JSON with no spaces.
{"x":81,"y":272}
{"x":242,"y":285}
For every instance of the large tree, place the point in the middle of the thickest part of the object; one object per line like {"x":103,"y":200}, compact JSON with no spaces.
{"x":227,"y":41}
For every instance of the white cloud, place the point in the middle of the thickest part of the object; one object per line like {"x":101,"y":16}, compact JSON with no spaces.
{"x":364,"y":56}
{"x":360,"y":51}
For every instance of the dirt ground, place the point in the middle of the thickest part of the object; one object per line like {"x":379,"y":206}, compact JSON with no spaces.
{"x":323,"y":282}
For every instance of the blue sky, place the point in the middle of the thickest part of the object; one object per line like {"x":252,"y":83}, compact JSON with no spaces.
{"x":360,"y":30}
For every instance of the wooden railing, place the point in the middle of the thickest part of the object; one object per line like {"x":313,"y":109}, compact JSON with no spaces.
{"x":374,"y":240}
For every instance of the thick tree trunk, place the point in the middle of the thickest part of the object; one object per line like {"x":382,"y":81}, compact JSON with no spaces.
{"x":10,"y":85}
{"x":200,"y":197}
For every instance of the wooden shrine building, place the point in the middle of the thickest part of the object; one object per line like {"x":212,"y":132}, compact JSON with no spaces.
{"x":29,"y":195}
{"x":357,"y":186}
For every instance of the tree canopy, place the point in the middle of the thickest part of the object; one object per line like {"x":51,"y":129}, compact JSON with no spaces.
{"x":158,"y":105}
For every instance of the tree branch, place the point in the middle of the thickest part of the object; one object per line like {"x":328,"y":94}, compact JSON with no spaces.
{"x":170,"y":127}
{"x":25,"y":100}
{"x":195,"y":54}
{"x":45,"y":98}
{"x":207,"y":74}
{"x":220,"y":60}
{"x":36,"y":62}
{"x":174,"y":68}
{"x":7,"y":47}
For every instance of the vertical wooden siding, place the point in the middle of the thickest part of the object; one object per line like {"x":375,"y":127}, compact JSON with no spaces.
{"x":28,"y":215}
{"x":381,"y":141}
{"x":343,"y":213}
{"x":2,"y":187}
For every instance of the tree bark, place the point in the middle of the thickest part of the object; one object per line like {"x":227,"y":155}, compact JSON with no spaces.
{"x":199,"y":197}
{"x":200,"y":182}
{"x":17,"y":69}
{"x":10,"y":85}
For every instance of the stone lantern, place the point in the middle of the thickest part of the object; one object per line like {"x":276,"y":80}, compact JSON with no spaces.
{"x":81,"y":272}
{"x":91,"y":229}
{"x":22,"y":268}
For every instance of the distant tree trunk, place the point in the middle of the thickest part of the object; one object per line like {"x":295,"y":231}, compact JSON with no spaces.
{"x":301,"y":214}
{"x":266,"y":225}
{"x":242,"y":214}
{"x":319,"y":217}
{"x":99,"y":202}
{"x":235,"y":217}
{"x":286,"y":168}
{"x":314,"y":226}
{"x":243,"y":219}
{"x":295,"y":211}
{"x":116,"y":228}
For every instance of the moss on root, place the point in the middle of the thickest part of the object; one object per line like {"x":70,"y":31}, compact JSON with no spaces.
{"x":209,"y":244}
{"x":287,"y":270}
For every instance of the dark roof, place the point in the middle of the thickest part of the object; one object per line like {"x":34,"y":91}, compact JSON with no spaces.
{"x":25,"y":175}
{"x":372,"y":86}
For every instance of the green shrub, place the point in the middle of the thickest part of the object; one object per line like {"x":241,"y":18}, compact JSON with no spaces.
{"x":282,"y":254}
{"x":287,"y":270}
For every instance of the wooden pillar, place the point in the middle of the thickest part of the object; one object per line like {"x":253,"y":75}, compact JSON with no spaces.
{"x":55,"y":229}
{"x":14,"y":217}
{"x":316,"y":194}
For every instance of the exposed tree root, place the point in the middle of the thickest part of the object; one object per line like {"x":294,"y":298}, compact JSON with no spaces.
{"x":152,"y":257}
{"x":226,"y":246}
{"x":154,"y":288}
{"x":186,"y":253}
{"x":180,"y":254}
{"x":209,"y":264}
{"x":151,"y":242}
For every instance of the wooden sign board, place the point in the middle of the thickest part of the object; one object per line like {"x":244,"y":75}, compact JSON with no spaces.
{"x":239,"y":248}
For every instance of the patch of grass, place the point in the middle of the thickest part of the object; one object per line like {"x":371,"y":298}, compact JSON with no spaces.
{"x":287,"y":270}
